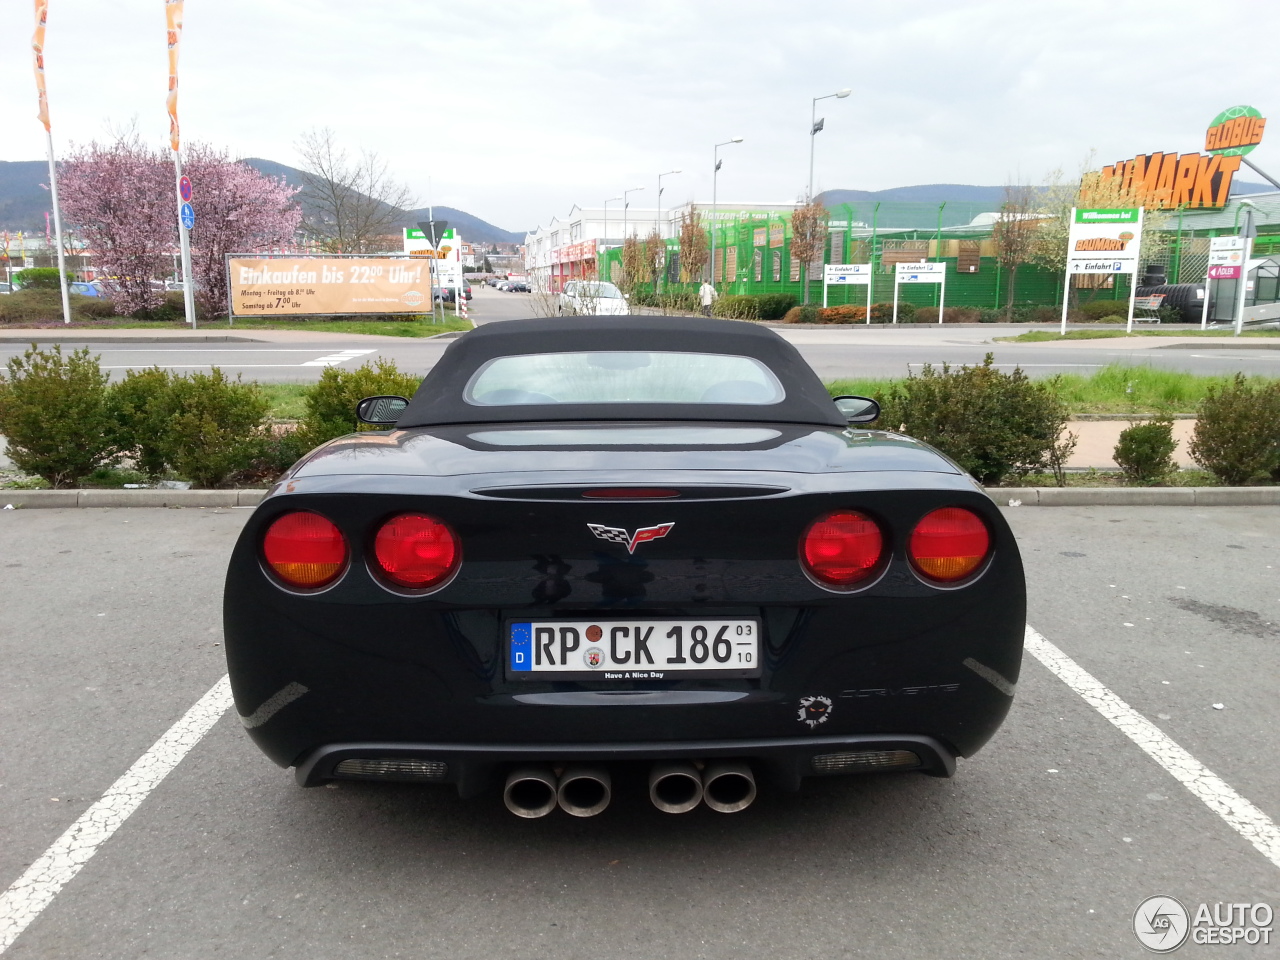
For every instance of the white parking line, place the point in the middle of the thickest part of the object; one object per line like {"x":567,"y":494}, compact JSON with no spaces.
{"x":1241,"y":815}
{"x":55,"y":868}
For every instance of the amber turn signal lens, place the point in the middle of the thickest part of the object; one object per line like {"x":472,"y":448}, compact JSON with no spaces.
{"x":949,"y":544}
{"x":305,"y":550}
{"x":842,"y":548}
{"x":416,"y":551}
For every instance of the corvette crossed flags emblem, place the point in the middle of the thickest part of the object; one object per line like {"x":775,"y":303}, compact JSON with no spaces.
{"x":619,"y":535}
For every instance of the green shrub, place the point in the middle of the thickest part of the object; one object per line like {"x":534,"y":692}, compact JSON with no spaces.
{"x":1113,"y":319}
{"x":993,"y":424}
{"x":331,"y":403}
{"x":1145,"y":451}
{"x":44,"y":306}
{"x":774,"y":306}
{"x":280,"y":450}
{"x":807,"y":314}
{"x":882,"y":312}
{"x":139,"y":406}
{"x":172,"y":310}
{"x":988,"y":315}
{"x":215,"y":427}
{"x":1095,"y":310}
{"x":679,"y":300}
{"x":845,"y":313}
{"x":53,"y":412}
{"x":41,"y":278}
{"x":1237,"y":435}
{"x":736,"y":307}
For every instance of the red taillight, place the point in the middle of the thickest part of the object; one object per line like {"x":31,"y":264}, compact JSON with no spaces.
{"x":305,"y":550}
{"x":416,"y":551}
{"x":949,"y":544}
{"x":842,"y":548}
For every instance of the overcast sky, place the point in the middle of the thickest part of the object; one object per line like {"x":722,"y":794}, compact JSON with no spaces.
{"x":517,"y":111}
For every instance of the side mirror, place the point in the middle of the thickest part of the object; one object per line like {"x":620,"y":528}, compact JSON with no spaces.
{"x":382,"y":411}
{"x":858,"y":409}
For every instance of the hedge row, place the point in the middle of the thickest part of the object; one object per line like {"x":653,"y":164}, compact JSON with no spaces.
{"x":63,"y":419}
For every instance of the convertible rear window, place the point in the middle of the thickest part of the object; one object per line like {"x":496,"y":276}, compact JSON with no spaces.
{"x":623,"y":377}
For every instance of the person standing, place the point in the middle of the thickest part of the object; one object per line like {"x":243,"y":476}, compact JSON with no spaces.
{"x":706,"y":296}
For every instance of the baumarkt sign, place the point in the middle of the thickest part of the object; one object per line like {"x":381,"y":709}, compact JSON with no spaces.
{"x":1104,"y":240}
{"x":1171,"y":180}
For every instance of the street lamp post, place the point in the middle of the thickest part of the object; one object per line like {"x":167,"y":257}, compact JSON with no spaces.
{"x":715,"y":173}
{"x":815,"y":125}
{"x":625,"y":204}
{"x":658,"y":227}
{"x":606,"y":231}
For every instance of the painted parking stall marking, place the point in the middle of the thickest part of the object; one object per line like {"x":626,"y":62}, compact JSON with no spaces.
{"x":336,"y":358}
{"x":55,"y":868}
{"x":1241,"y":815}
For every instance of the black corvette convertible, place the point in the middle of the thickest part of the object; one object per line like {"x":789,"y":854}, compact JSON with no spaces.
{"x":598,"y":541}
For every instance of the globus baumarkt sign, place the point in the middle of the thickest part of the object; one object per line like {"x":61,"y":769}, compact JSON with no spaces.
{"x":1235,"y":131}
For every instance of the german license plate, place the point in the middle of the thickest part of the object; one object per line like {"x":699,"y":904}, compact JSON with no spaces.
{"x":632,"y":649}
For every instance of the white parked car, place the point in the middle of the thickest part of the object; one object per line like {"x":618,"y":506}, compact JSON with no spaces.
{"x":592,"y":298}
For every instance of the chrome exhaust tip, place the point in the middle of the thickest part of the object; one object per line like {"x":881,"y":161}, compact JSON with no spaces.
{"x":530,"y":792}
{"x":584,"y":791}
{"x":675,"y":786}
{"x":728,"y":786}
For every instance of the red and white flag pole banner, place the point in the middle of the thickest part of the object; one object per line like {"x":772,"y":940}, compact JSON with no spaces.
{"x":37,"y":49}
{"x":186,"y":213}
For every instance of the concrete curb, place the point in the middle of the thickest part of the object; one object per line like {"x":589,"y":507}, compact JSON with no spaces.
{"x":28,"y":499}
{"x":1027,"y":497}
{"x":1137,"y":496}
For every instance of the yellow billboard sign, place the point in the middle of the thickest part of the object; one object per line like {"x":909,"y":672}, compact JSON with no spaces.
{"x":302,"y":286}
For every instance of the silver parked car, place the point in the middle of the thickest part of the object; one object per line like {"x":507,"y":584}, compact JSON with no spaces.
{"x":592,"y":298}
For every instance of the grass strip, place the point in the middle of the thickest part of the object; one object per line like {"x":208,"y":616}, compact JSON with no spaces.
{"x":1117,"y":389}
{"x":1046,"y":336}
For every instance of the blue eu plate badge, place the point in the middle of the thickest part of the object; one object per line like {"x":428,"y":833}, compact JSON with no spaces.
{"x":521,"y":646}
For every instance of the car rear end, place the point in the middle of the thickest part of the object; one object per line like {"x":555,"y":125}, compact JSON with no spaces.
{"x":474,"y":627}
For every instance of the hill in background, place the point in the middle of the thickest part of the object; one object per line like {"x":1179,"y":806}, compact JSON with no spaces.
{"x":23,"y":201}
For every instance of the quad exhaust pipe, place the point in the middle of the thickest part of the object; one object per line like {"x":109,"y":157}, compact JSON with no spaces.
{"x":530,"y":792}
{"x":584,"y":791}
{"x":675,"y":786}
{"x":728,"y":786}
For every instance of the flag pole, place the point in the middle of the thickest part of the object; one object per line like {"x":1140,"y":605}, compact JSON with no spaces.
{"x":173,"y":23}
{"x":57,"y":231}
{"x":37,"y":48}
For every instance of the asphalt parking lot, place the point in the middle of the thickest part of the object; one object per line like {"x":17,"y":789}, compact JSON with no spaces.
{"x":1043,"y":845}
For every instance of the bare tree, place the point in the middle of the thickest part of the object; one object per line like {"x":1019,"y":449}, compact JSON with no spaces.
{"x":808,"y":238}
{"x":349,"y":205}
{"x":1014,"y":233}
{"x":693,"y":245}
{"x":633,"y":265}
{"x":655,"y":253}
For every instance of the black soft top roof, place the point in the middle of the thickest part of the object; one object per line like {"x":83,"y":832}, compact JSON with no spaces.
{"x":439,"y":399}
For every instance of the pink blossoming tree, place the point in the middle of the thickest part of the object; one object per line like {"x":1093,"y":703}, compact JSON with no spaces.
{"x":115,"y":195}
{"x":122,"y":198}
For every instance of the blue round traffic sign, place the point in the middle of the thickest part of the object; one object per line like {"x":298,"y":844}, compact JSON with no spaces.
{"x":184,"y":188}
{"x":188,"y":216}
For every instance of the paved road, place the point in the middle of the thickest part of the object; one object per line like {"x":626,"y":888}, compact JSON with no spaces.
{"x":836,"y":352}
{"x":1042,"y":846}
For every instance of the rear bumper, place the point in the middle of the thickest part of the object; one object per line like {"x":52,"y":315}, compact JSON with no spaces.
{"x":473,"y":767}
